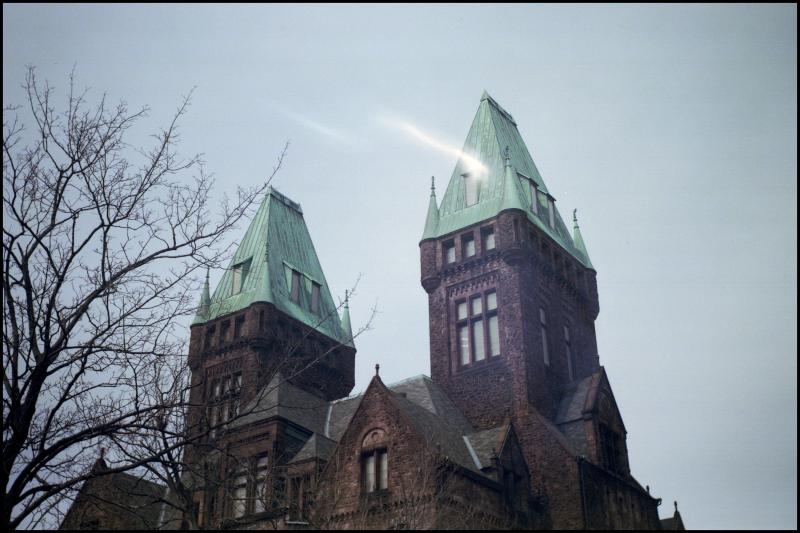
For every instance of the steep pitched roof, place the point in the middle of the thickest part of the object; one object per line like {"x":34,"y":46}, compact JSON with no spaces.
{"x":485,"y":156}
{"x":276,"y":243}
{"x":279,"y":398}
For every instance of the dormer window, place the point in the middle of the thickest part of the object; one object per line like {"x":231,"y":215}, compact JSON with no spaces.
{"x":315,"y":288}
{"x":534,"y":198}
{"x":471,"y":188}
{"x":294,"y":292}
{"x":240,"y":273}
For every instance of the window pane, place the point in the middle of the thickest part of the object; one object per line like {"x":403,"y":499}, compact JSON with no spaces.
{"x":237,"y":279}
{"x":463,"y":344}
{"x":566,"y":333}
{"x":469,"y":247}
{"x":488,"y":242}
{"x":239,"y":497}
{"x":534,"y":199}
{"x":384,"y":476}
{"x":462,"y":310}
{"x":450,"y":254}
{"x":369,"y":473}
{"x":315,"y":298}
{"x":551,"y":207}
{"x":542,"y":317}
{"x":494,"y":336}
{"x":295,"y":294}
{"x":477,"y":307}
{"x":477,"y":337}
{"x":491,"y":301}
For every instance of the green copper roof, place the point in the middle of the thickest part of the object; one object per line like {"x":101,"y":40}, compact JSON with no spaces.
{"x":432,"y":220}
{"x":496,"y":155}
{"x":276,"y":243}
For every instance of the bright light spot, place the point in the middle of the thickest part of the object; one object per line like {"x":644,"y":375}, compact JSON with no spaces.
{"x":473,"y":165}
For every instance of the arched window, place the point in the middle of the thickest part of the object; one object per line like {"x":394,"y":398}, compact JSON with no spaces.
{"x":374,"y":462}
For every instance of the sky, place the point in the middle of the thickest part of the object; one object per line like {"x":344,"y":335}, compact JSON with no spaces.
{"x":672,"y":130}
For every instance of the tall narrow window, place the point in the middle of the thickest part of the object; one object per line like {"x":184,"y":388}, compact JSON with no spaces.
{"x":369,"y":473}
{"x":494,"y":329}
{"x":383,"y":470}
{"x":471,"y":188}
{"x":545,"y":347}
{"x":478,"y":343}
{"x":260,"y":484}
{"x":239,"y":494}
{"x":450,"y":253}
{"x":568,"y":352}
{"x":551,"y":212}
{"x":468,"y":246}
{"x":315,"y":287}
{"x":210,"y":337}
{"x":294,"y":294}
{"x":534,"y":198}
{"x":223,"y":331}
{"x":238,"y":326}
{"x":240,"y":272}
{"x":375,"y":466}
{"x":488,"y":239}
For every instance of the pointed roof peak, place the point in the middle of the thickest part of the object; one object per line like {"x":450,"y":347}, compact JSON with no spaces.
{"x":510,"y":180}
{"x":346,"y":327}
{"x":432,"y":218}
{"x":275,"y":247}
{"x":577,"y":240}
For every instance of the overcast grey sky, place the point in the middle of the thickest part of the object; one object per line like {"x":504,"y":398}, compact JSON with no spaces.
{"x":672,"y":129}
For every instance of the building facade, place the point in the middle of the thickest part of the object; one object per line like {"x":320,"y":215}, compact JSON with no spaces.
{"x":517,"y":425}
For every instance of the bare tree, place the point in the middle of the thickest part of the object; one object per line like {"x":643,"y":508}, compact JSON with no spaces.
{"x":101,"y":248}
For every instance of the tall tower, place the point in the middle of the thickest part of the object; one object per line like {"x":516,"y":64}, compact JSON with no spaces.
{"x":512,"y":298}
{"x":271,"y":314}
{"x":512,"y":295}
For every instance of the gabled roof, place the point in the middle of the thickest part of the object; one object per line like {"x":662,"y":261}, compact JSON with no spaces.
{"x":137,"y":503}
{"x":276,"y":243}
{"x":493,"y":131}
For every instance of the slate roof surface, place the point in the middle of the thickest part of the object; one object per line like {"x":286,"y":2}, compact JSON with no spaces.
{"x":575,"y":400}
{"x":281,"y":398}
{"x":427,"y":406}
{"x":488,"y":443}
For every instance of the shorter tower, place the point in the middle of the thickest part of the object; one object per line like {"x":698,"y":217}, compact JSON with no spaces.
{"x":270,"y":324}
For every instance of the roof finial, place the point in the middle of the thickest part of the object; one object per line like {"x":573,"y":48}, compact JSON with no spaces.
{"x":508,"y":156}
{"x":575,"y":217}
{"x":676,"y":505}
{"x":346,"y":298}
{"x":377,"y":368}
{"x":433,"y":185}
